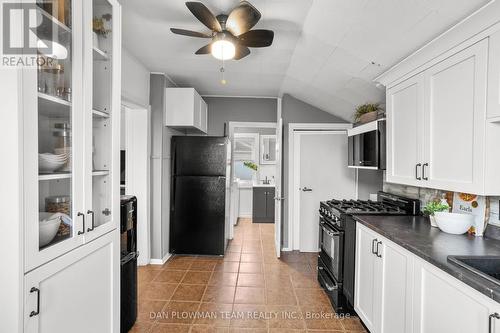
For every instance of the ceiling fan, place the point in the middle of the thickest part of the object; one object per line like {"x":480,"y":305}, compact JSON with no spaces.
{"x":231,"y":35}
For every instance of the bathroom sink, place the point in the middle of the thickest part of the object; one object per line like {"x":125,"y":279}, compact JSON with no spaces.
{"x":487,"y":267}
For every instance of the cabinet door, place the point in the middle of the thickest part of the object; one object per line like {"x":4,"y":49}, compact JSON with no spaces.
{"x":78,"y":292}
{"x":197,"y":110}
{"x":405,"y":103}
{"x":259,"y":203}
{"x":53,"y":139}
{"x":395,"y":294}
{"x":443,"y":304}
{"x":102,"y":119}
{"x":270,"y":204}
{"x":365,"y":280}
{"x":455,"y":114}
{"x":494,"y":76}
{"x":203,"y":116}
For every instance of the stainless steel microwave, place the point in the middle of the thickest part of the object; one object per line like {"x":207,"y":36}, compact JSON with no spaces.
{"x":367,"y":146}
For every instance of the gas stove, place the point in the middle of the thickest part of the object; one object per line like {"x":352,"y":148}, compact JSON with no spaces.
{"x":387,"y":204}
{"x":336,"y":260}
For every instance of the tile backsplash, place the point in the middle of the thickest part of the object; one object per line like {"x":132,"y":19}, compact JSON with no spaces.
{"x":426,"y":194}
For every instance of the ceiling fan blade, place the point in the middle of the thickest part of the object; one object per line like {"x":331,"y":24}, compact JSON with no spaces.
{"x":189,"y":33}
{"x":257,"y":38}
{"x":242,"y":18}
{"x":205,"y":49}
{"x":202,"y":13}
{"x":241,"y":52}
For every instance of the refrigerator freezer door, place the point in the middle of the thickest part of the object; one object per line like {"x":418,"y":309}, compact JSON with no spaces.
{"x":197,"y":216}
{"x":199,"y":156}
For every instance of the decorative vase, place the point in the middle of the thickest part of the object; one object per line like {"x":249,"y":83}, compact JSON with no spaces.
{"x":368,"y":117}
{"x":432,"y":218}
{"x":95,"y":40}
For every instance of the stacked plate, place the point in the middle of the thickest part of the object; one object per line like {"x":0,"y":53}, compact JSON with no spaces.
{"x":48,"y":162}
{"x":65,"y":151}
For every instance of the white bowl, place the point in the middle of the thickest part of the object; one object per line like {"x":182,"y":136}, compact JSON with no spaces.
{"x":48,"y":226}
{"x":454,"y":223}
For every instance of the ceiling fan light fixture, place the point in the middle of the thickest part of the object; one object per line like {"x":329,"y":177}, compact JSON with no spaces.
{"x":223,"y":49}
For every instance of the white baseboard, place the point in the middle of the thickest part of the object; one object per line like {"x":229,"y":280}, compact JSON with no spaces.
{"x":286,"y":249}
{"x":245,"y":216}
{"x":160,"y":261}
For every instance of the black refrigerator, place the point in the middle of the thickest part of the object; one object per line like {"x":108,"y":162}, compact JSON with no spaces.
{"x":199,"y":202}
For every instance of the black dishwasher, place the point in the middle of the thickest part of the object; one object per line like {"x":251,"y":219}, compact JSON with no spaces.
{"x":128,"y":262}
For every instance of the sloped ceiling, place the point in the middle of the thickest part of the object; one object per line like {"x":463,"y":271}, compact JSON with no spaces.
{"x":326,"y":52}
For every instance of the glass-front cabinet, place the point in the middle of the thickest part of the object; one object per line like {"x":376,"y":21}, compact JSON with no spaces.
{"x":69,"y":145}
{"x":102,"y":98}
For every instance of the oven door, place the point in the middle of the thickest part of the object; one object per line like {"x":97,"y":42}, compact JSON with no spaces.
{"x":332,"y":248}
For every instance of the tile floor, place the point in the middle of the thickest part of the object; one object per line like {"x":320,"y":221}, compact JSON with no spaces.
{"x":249,"y":290}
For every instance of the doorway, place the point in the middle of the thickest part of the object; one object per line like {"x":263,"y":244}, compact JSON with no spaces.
{"x":319,"y":172}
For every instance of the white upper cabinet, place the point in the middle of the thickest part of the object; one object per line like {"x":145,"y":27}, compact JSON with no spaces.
{"x":454,"y":118}
{"x":71,"y":123}
{"x":185,"y":110}
{"x":404,"y":131}
{"x":438,"y":132}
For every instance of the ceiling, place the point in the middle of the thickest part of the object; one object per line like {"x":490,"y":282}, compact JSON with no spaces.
{"x":325,"y":52}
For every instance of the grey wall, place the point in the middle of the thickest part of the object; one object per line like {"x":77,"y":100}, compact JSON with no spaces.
{"x":296,"y":111}
{"x":160,"y":168}
{"x":369,"y":181}
{"x":135,"y":79}
{"x":222,"y":110}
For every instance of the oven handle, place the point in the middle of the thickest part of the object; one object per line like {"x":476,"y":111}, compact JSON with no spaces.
{"x":330,"y":232}
{"x":321,"y":274}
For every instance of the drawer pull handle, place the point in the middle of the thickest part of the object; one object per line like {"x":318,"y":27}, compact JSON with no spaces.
{"x":93,"y":218}
{"x":416,"y":171}
{"x":373,"y":245}
{"x":492,"y":316}
{"x":83,"y":217}
{"x":377,"y":251}
{"x":35,"y":313}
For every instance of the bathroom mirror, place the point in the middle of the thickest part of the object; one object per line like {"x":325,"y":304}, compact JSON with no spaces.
{"x":268,"y":149}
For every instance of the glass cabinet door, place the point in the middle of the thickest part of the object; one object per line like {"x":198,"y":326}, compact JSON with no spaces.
{"x":101,"y":120}
{"x":52,"y":189}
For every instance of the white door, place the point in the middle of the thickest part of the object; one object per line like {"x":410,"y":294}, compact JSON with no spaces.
{"x":277,"y":193}
{"x":365,"y":277}
{"x":394,"y":298}
{"x":323,"y":174}
{"x":455,"y":114}
{"x":405,"y":103}
{"x":78,"y":292}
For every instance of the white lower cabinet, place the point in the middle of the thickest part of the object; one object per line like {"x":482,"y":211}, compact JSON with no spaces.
{"x":383,"y":275}
{"x":77,"y":292}
{"x":397,"y":292}
{"x":366,"y":277}
{"x":444,"y":304}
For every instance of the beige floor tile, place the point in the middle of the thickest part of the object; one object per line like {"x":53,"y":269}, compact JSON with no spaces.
{"x":251,"y":280}
{"x":194,"y":277}
{"x":189,"y":292}
{"x":250,"y":295}
{"x":219,"y":294}
{"x":159,"y":291}
{"x":220,"y":278}
{"x":170,"y":276}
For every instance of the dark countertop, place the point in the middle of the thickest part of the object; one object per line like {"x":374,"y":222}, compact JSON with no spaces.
{"x":415,"y":234}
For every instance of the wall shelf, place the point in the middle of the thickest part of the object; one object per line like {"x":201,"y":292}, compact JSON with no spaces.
{"x":100,"y":173}
{"x":494,"y":120}
{"x":100,"y":114}
{"x":99,"y":55}
{"x":54,"y":176}
{"x":52,"y":106}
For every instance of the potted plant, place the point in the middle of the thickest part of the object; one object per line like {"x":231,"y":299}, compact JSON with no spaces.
{"x":99,"y":29}
{"x":434,"y":207}
{"x":367,"y":112}
{"x":251,"y":165}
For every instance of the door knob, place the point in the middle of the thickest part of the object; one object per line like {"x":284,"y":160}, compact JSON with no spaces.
{"x":305,"y":189}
